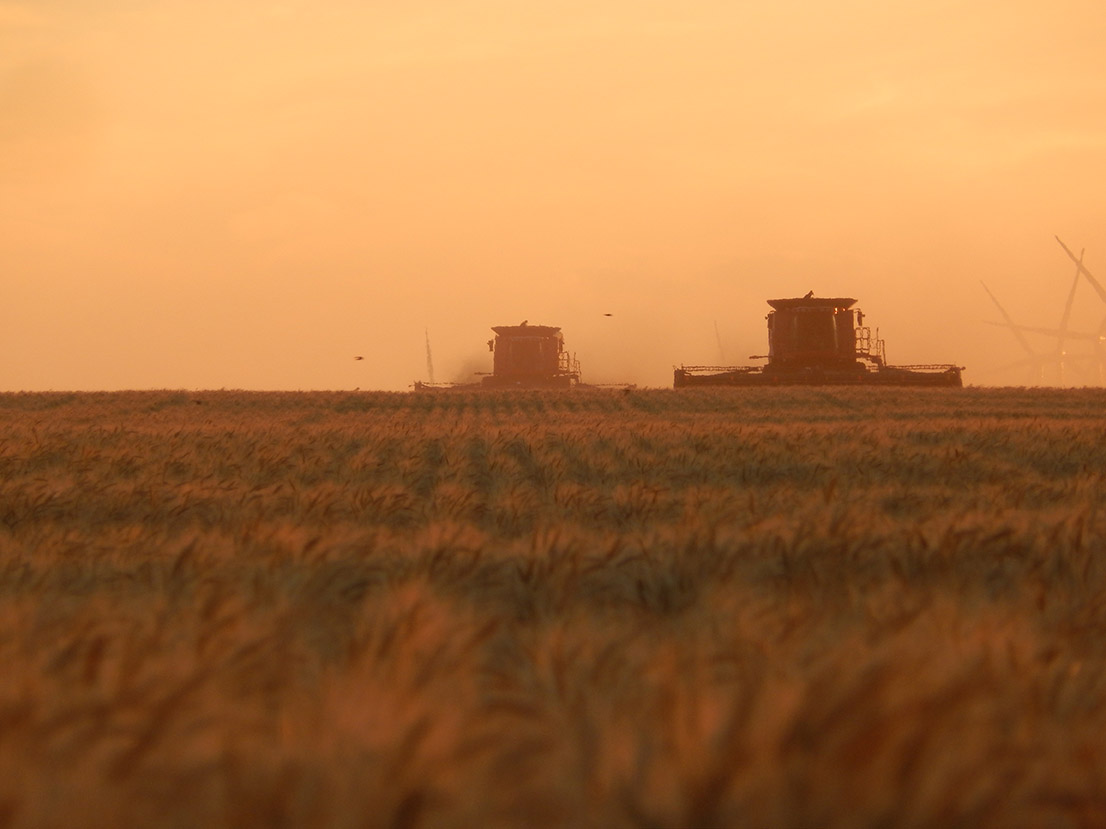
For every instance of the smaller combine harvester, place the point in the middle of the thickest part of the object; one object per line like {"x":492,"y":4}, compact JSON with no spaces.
{"x":525,"y":357}
{"x":819,"y":341}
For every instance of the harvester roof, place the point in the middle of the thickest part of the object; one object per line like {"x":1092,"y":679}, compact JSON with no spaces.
{"x":526,"y":330}
{"x":812,"y":302}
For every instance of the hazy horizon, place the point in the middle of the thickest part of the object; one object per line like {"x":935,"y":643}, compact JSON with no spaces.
{"x":197,"y":196}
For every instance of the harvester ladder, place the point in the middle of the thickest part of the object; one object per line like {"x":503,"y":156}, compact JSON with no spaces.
{"x":870,"y":346}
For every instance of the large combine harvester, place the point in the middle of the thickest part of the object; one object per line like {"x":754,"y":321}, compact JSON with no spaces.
{"x":524,"y":357}
{"x":818,"y":341}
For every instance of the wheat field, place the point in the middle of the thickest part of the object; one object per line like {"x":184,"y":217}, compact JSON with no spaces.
{"x":761,"y":607}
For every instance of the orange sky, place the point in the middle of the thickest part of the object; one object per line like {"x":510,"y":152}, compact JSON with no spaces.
{"x":246,"y":195}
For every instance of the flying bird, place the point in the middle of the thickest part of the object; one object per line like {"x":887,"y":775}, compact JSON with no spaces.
{"x":608,"y":315}
{"x":359,"y":358}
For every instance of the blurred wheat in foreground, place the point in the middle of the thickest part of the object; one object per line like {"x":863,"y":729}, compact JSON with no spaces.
{"x":759,"y":608}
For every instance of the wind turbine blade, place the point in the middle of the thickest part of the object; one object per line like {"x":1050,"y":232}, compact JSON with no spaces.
{"x":1059,"y":333}
{"x":1033,"y":364}
{"x":1083,"y":270}
{"x":1028,"y":361}
{"x":1014,"y":328}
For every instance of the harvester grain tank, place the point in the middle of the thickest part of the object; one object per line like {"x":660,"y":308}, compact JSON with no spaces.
{"x":525,"y":357}
{"x":820,"y":341}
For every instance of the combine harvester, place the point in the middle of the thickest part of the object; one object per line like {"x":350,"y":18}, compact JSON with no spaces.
{"x":525,"y":357}
{"x":815,"y":341}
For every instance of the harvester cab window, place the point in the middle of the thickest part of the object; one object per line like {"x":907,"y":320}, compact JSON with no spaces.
{"x":815,"y":331}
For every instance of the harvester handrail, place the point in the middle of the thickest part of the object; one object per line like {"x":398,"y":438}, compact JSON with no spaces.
{"x":928,"y":367}
{"x":720,"y":368}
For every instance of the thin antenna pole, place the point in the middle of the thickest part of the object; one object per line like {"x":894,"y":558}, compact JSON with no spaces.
{"x":721,"y":350}
{"x":429,"y":358}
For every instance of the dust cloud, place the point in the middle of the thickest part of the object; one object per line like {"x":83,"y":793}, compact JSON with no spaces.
{"x":471,"y":368}
{"x":197,"y":195}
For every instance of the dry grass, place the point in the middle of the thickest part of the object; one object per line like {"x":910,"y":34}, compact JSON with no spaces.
{"x":787,"y":608}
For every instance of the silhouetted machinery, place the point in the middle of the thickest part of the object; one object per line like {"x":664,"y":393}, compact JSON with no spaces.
{"x":531,"y":356}
{"x":525,"y":357}
{"x":819,"y":341}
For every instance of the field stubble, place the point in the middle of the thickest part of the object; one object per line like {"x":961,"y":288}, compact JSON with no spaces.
{"x":793,"y":608}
